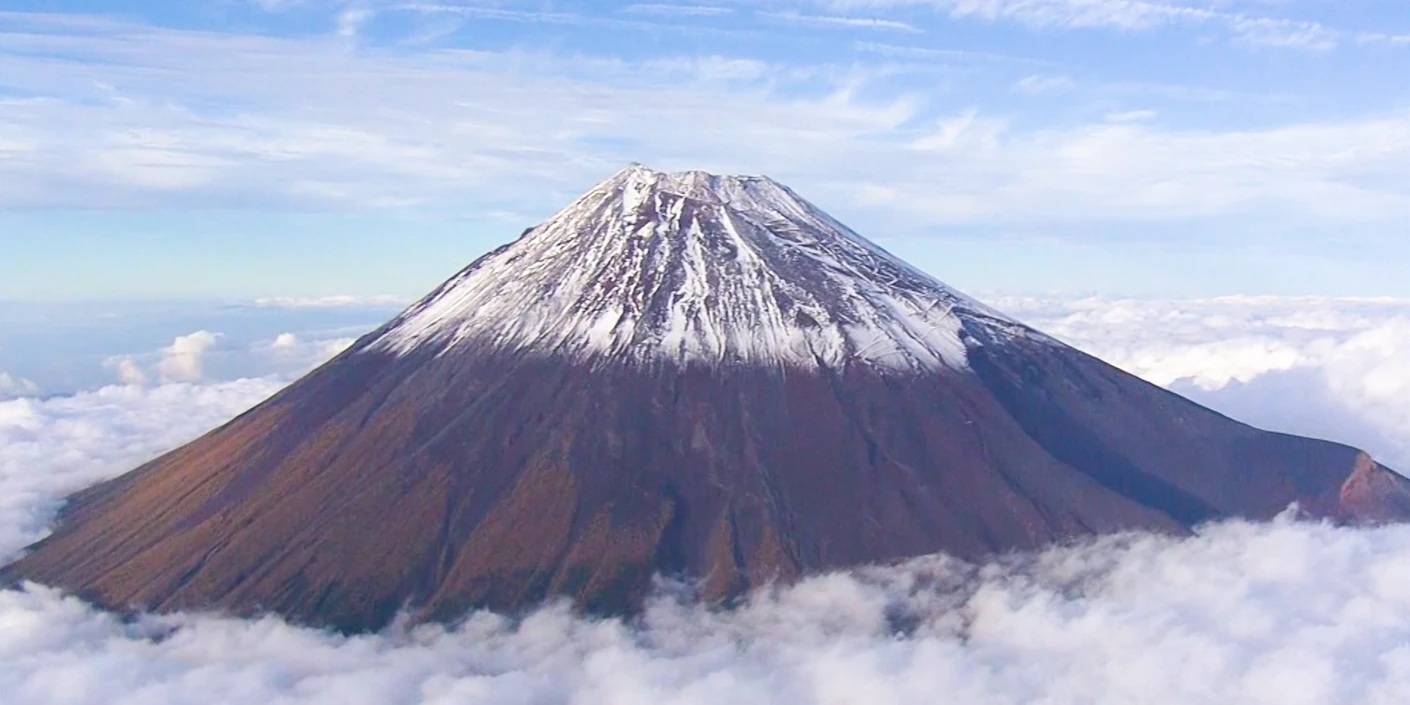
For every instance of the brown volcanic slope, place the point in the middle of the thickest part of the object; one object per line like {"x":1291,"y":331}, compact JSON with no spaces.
{"x":681,"y":374}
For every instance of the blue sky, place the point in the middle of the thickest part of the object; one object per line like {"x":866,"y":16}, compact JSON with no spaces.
{"x":234,"y":149}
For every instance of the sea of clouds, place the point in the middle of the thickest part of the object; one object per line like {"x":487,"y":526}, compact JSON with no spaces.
{"x":1286,"y":613}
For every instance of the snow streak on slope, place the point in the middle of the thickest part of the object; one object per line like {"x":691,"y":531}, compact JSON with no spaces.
{"x":702,"y":269}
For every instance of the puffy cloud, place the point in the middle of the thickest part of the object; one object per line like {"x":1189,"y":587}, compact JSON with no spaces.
{"x":196,"y":357}
{"x":127,"y":370}
{"x":289,"y":355}
{"x":182,"y":362}
{"x":16,"y":386}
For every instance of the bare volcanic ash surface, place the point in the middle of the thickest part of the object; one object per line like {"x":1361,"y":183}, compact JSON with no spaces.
{"x":694,"y":376}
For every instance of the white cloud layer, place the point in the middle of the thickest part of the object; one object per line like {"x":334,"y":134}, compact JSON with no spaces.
{"x":1285,"y":614}
{"x":333,"y":301}
{"x":50,"y":448}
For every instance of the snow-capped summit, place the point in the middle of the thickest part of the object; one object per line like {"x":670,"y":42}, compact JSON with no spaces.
{"x":699,"y":268}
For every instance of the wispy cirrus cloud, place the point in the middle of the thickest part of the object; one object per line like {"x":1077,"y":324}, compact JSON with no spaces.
{"x":1384,"y":38}
{"x":1127,"y":15}
{"x":297,"y":124}
{"x":333,"y":301}
{"x":670,"y":10}
{"x":839,"y":22}
{"x":1043,"y":85}
{"x":499,"y":13}
{"x":929,"y":53}
{"x":276,"y":5}
{"x":1132,"y":115}
{"x":649,"y":20}
{"x":1284,"y":33}
{"x":1246,"y":26}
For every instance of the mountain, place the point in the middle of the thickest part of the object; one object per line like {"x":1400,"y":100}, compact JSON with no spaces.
{"x":680,"y":374}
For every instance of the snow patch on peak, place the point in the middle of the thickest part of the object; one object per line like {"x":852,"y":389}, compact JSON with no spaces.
{"x":750,"y":194}
{"x":698,"y":268}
